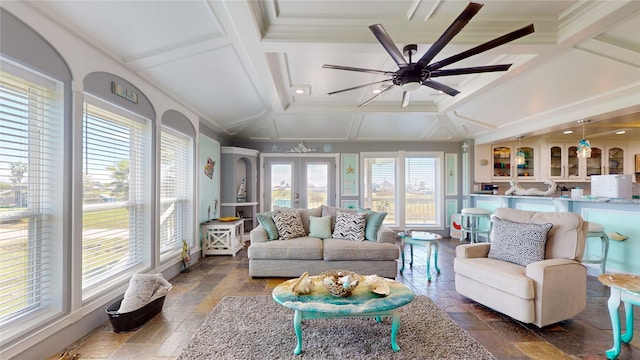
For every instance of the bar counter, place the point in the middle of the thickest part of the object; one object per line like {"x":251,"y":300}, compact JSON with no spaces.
{"x":619,"y":215}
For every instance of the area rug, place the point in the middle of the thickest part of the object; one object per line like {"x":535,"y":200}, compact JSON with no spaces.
{"x":255,"y":327}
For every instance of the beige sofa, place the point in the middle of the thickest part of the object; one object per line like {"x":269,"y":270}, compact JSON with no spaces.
{"x":541,"y":293}
{"x":290,"y":258}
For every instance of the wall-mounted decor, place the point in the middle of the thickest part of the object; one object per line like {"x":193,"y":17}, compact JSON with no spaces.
{"x":349,"y":174}
{"x":302,"y":148}
{"x":451,"y":170}
{"x":122,"y":91}
{"x":209,"y":167}
{"x":349,"y":204}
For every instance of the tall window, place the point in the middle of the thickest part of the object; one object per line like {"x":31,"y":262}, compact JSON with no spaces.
{"x":175,"y":205}
{"x":31,"y":157}
{"x":116,"y":185}
{"x":405,"y":185}
{"x":380,"y":185}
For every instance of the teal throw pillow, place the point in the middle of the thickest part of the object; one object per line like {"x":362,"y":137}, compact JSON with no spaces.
{"x":266,"y":221}
{"x":374,"y":221}
{"x":320,"y":227}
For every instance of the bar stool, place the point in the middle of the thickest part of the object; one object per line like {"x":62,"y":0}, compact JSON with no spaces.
{"x":470,"y":220}
{"x":597,"y":231}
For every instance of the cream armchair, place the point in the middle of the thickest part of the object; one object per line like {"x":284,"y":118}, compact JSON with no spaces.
{"x":542,"y":292}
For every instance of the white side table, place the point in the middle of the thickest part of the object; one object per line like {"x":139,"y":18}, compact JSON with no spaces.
{"x":222,"y":237}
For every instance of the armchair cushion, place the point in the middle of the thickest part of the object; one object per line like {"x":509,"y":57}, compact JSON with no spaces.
{"x":518,"y":243}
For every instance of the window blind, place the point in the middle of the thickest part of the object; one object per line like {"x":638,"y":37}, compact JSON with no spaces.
{"x":176,"y":162}
{"x":380,"y":186}
{"x":420,"y":178}
{"x":115,"y":180}
{"x":29,"y":159}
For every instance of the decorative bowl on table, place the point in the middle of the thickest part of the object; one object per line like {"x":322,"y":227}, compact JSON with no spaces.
{"x":340,"y":282}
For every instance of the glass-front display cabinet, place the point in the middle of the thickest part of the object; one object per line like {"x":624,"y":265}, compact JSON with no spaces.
{"x":616,"y":161}
{"x":526,"y":162}
{"x":563,"y":161}
{"x":594,"y":163}
{"x":501,"y":162}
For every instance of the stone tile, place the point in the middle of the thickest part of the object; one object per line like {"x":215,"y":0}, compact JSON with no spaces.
{"x":468,"y":321}
{"x":540,"y":350}
{"x":133,"y":352}
{"x":153,"y":332}
{"x":174,"y":344}
{"x":497,"y":345}
{"x":512,"y":331}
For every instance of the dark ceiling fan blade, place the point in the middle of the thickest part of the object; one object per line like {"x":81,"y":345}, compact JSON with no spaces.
{"x":441,"y":87}
{"x":377,"y":95}
{"x":358,"y":87}
{"x":458,"y":24}
{"x":349,"y":68}
{"x":388,"y":44}
{"x":471,"y":70}
{"x":483,"y":47}
{"x":406,"y":97}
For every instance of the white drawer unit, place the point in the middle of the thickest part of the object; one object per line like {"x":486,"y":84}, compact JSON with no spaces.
{"x":222,"y":237}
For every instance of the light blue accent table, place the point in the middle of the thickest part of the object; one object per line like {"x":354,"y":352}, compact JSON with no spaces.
{"x":624,"y":288}
{"x":428,"y":241}
{"x":320,"y":304}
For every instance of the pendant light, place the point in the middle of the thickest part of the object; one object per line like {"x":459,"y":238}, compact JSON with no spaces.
{"x":584,"y":146}
{"x":520,"y":155}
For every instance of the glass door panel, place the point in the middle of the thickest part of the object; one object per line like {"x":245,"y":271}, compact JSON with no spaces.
{"x":280,"y":185}
{"x":526,"y":168}
{"x":555,"y":161}
{"x":594,"y":163}
{"x":501,"y":161}
{"x":573,"y":163}
{"x":317,"y":186}
{"x":616,"y":161}
{"x":293,"y":182}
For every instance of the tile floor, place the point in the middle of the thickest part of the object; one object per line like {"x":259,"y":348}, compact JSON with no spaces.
{"x":194,"y":294}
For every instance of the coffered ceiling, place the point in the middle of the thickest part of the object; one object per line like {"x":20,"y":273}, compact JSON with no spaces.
{"x":238,"y":63}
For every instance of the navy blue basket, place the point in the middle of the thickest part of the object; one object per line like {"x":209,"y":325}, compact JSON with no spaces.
{"x":133,"y":320}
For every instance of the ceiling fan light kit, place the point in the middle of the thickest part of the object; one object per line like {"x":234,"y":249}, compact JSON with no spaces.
{"x":411,"y":76}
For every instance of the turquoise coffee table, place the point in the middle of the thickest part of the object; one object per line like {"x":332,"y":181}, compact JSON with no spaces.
{"x":320,"y":304}
{"x":425,"y":239}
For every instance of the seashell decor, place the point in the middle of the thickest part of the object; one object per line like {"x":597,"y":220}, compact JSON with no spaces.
{"x":340,"y":282}
{"x":377,"y":284}
{"x":303,"y":285}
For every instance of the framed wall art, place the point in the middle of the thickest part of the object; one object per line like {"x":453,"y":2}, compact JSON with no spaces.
{"x":349,"y":174}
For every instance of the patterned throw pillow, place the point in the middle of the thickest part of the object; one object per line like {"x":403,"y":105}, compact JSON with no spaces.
{"x":518,"y":243}
{"x":289,"y":225}
{"x":349,"y":226}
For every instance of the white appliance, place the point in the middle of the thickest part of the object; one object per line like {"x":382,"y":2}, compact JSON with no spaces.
{"x":611,"y":186}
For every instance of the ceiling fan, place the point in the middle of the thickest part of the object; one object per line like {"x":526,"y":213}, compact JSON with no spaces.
{"x":410,"y":76}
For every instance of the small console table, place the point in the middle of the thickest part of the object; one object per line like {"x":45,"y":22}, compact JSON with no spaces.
{"x":222,"y":237}
{"x":625,"y":288}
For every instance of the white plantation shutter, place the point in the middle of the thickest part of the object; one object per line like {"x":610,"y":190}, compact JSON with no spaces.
{"x":420,"y":194}
{"x":176,"y":151}
{"x":116,"y":173}
{"x":30,"y":158}
{"x":380,"y":185}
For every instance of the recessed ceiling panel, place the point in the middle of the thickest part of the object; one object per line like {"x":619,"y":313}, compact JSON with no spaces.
{"x":214,"y":82}
{"x":132,"y":28}
{"x":313,"y":126}
{"x":584,"y":76}
{"x":411,"y":126}
{"x":624,"y":35}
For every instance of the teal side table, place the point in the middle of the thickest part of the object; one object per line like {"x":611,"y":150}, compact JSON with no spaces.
{"x":320,"y":304}
{"x":625,"y":288}
{"x":423,"y":239}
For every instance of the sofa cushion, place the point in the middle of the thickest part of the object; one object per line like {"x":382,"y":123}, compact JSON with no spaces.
{"x":503,"y":275}
{"x":304,"y":215}
{"x":519,"y":243}
{"x":289,"y":225}
{"x":346,"y":250}
{"x":373,"y":222}
{"x":331,"y":211}
{"x":266,"y":221}
{"x":302,"y":248}
{"x":320,"y":226}
{"x":349,"y":226}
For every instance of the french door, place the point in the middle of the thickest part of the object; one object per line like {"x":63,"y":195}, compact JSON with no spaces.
{"x":298,"y":181}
